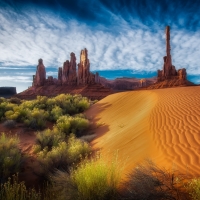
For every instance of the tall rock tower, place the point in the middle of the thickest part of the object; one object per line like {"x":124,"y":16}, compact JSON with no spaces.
{"x":40,"y":77}
{"x":167,"y":59}
{"x":169,"y":71}
{"x":84,"y":75}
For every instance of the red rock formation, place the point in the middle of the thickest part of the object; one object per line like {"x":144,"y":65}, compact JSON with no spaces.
{"x":65,"y":73}
{"x":69,"y":71}
{"x":68,"y":75}
{"x":94,"y":91}
{"x":84,"y":75}
{"x":182,"y":74}
{"x":50,"y":80}
{"x":40,"y":78}
{"x":72,"y":70}
{"x":123,"y":84}
{"x":59,"y":82}
{"x":169,"y":71}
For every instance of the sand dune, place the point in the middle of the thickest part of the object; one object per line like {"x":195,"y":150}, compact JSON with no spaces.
{"x":163,"y":125}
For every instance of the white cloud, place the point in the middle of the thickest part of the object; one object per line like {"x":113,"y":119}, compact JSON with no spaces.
{"x":15,"y":79}
{"x":23,"y":40}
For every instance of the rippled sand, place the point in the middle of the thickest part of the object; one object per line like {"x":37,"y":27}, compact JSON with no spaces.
{"x":163,"y":125}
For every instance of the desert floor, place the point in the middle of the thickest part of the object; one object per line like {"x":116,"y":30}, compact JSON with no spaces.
{"x":162,"y":125}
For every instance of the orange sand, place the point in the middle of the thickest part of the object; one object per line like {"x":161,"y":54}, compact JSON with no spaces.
{"x":163,"y":125}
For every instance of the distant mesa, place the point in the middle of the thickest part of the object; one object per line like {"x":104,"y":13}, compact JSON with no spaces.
{"x":7,"y":92}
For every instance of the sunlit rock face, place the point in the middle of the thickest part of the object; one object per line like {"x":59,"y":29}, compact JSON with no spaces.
{"x":169,"y":71}
{"x":84,"y":75}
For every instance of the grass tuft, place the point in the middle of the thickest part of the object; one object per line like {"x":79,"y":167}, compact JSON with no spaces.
{"x":92,"y":180}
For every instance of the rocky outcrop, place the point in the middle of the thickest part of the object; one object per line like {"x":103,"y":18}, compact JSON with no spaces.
{"x":40,"y":78}
{"x":182,"y":74}
{"x":84,"y":75}
{"x":94,"y":91}
{"x":68,"y":75}
{"x":169,"y":76}
{"x":123,"y":84}
{"x":169,"y":71}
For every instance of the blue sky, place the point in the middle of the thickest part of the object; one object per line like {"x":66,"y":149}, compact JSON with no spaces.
{"x":119,"y":35}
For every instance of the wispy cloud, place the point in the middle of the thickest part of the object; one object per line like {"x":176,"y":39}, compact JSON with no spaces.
{"x":16,"y":79}
{"x":117,"y":34}
{"x":23,"y":40}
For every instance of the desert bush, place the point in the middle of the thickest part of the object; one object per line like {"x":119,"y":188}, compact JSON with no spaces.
{"x":55,"y":113}
{"x":6,"y":106}
{"x":10,"y":156}
{"x":2,"y":99}
{"x":11,"y":115}
{"x":40,"y":102}
{"x":63,"y":156}
{"x":15,"y":100}
{"x":92,"y":180}
{"x":68,"y":124}
{"x":15,"y":190}
{"x":51,"y":102}
{"x":83,"y":104}
{"x":194,"y":188}
{"x":49,"y":138}
{"x":28,"y":104}
{"x":149,"y":182}
{"x":36,"y":118}
{"x":9,"y":124}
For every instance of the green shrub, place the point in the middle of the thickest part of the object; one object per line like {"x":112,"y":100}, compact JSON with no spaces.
{"x":92,"y":180}
{"x":2,"y":99}
{"x":11,"y":115}
{"x":4,"y":107}
{"x":49,"y":138}
{"x":194,"y":189}
{"x":63,"y":124}
{"x":63,"y":156}
{"x":36,"y":118}
{"x":83,"y":104}
{"x":9,"y":123}
{"x":15,"y":100}
{"x":68,"y":124}
{"x":10,"y":156}
{"x":15,"y":190}
{"x":55,"y":113}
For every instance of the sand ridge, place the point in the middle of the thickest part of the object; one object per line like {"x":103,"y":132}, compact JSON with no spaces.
{"x":124,"y":125}
{"x":162,"y":125}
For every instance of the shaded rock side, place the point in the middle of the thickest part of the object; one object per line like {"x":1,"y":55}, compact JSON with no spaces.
{"x":69,"y":76}
{"x":40,"y":78}
{"x":94,"y":91}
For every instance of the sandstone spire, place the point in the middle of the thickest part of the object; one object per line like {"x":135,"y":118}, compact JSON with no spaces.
{"x":169,"y":71}
{"x":167,"y":59}
{"x":84,"y":75}
{"x":40,"y":77}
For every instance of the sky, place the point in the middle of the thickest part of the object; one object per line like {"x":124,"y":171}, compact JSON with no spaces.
{"x":120,"y":35}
